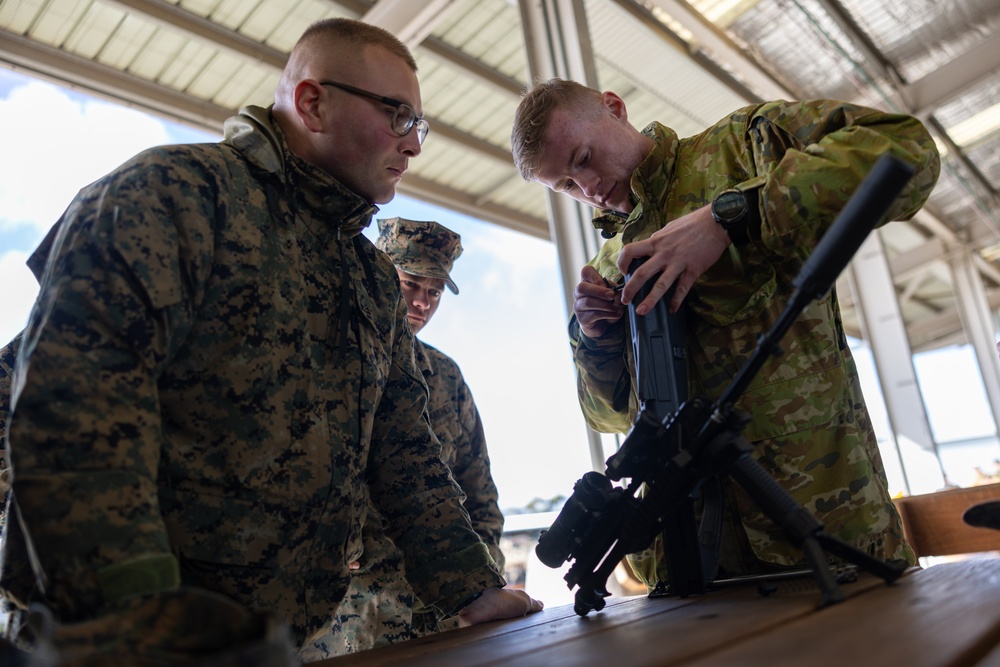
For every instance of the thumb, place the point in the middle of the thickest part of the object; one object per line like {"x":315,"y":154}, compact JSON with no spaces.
{"x":590,"y":275}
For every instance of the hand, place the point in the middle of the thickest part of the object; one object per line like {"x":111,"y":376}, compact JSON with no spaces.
{"x":596,"y":305}
{"x":496,"y":604}
{"x":683,"y":251}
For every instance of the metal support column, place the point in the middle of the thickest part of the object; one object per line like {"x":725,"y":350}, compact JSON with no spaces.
{"x":557,"y":44}
{"x":882,"y":322}
{"x":977,"y":320}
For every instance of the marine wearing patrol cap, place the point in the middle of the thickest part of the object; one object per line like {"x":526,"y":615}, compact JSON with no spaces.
{"x":426,"y":249}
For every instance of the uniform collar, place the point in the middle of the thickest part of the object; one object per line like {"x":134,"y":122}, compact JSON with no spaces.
{"x":648,"y":180}
{"x":328,"y":205}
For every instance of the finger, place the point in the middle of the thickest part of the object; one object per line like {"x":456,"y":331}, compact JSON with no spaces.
{"x":597,"y":304}
{"x":634,"y":251}
{"x":600,"y":290}
{"x":638,"y":280}
{"x":656,"y":292}
{"x":530,"y":604}
{"x":589,"y":274}
{"x":643,"y":273}
{"x":680,"y":293}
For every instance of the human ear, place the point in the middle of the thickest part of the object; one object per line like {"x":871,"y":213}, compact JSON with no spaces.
{"x":307,"y":97}
{"x":614,"y":104}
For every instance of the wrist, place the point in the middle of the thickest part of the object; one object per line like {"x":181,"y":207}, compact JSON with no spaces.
{"x":737,"y":212}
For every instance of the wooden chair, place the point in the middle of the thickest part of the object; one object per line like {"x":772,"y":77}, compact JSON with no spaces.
{"x":932,"y":522}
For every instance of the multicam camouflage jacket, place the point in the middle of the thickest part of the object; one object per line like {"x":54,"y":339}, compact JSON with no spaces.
{"x":213,"y":385}
{"x":809,"y":424}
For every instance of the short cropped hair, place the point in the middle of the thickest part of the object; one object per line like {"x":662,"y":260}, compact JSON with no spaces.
{"x":531,"y":120}
{"x":356,"y":33}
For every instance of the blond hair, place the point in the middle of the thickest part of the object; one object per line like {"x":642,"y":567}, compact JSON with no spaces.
{"x":531,"y":120}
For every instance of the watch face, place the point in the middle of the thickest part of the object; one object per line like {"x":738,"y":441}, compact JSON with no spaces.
{"x":729,"y":205}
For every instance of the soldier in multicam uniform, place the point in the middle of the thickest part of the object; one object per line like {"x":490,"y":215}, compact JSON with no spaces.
{"x":380,"y":606}
{"x":217,"y":378}
{"x":791,"y":166}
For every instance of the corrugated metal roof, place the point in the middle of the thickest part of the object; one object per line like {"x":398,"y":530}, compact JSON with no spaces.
{"x":197,"y":61}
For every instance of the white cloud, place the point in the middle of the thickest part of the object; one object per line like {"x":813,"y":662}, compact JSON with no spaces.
{"x":521,"y":262}
{"x":54,"y":145}
{"x":18,"y":295}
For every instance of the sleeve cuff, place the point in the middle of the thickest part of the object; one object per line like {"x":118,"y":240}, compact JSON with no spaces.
{"x":466,"y":576}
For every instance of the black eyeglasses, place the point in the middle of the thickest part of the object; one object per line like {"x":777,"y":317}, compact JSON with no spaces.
{"x":403,"y":120}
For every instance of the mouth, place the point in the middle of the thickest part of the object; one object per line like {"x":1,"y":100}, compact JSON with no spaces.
{"x":398,"y":171}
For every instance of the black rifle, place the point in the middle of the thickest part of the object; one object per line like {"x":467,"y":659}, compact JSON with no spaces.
{"x":674,"y":454}
{"x":658,"y":339}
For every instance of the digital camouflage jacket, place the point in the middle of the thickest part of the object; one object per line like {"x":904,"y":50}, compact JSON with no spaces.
{"x":216,"y":379}
{"x":380,"y":607}
{"x":810,"y":426}
{"x":455,"y":421}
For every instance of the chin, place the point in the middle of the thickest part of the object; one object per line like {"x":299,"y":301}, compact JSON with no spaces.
{"x":381,"y":200}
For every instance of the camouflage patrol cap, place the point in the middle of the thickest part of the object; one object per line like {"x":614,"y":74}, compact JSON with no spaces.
{"x":425,"y":249}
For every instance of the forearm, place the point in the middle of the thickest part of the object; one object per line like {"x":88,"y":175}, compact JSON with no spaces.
{"x":446,"y":561}
{"x":472,"y":472}
{"x":84,"y":440}
{"x":820,"y":162}
{"x":603,"y":379}
{"x":85,"y":432}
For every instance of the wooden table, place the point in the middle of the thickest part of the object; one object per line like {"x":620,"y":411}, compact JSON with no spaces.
{"x":947,"y":614}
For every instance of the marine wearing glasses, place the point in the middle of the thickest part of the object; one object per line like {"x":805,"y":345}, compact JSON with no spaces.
{"x":405,"y":117}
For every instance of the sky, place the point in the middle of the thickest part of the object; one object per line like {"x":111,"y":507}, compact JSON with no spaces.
{"x":506,"y":328}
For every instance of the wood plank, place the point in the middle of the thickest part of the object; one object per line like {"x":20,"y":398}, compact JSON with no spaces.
{"x":503,"y":640}
{"x":946,"y":615}
{"x":717,"y":619}
{"x":644,"y":629}
{"x":933,"y":522}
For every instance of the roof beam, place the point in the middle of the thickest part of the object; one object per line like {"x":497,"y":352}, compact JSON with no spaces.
{"x":411,"y":22}
{"x":403,"y":15}
{"x":760,"y":83}
{"x":471,"y":141}
{"x":863,"y":43}
{"x":949,"y":80}
{"x":448,"y":53}
{"x":456,"y":200}
{"x":944,"y":328}
{"x":66,"y":69}
{"x":172,"y":15}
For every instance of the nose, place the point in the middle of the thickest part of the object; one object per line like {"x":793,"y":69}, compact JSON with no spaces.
{"x":588,"y":183}
{"x":421,"y":301}
{"x":410,"y":145}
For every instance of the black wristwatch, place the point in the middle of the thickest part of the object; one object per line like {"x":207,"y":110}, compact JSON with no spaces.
{"x":731,"y":209}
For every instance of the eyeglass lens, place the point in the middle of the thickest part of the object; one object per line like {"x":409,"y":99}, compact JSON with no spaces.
{"x":406,"y":119}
